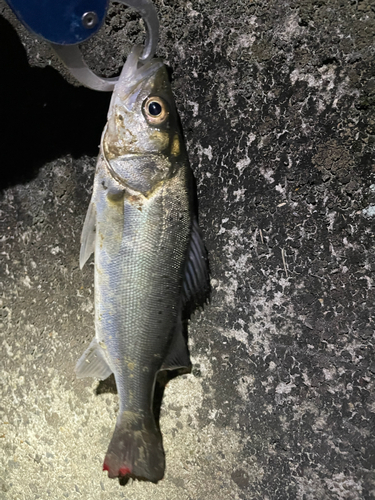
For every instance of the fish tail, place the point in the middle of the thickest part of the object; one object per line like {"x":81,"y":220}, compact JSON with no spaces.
{"x":136,"y":449}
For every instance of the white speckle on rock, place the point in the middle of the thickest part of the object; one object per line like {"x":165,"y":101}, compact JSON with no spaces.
{"x":331,"y":220}
{"x":369,"y":212}
{"x":242,"y":164}
{"x":280,"y":189}
{"x":283,"y":388}
{"x":208,"y":152}
{"x":296,"y":75}
{"x":245,"y":40}
{"x":239,"y":335}
{"x":267,"y":174}
{"x":244,"y":385}
{"x":223,"y":229}
{"x":330,"y":374}
{"x":192,"y":12}
{"x":26,"y":281}
{"x":55,"y":250}
{"x":240,"y":195}
{"x":241,"y":41}
{"x":251,"y":138}
{"x":195,"y":107}
{"x":214,"y":283}
{"x":87,"y":305}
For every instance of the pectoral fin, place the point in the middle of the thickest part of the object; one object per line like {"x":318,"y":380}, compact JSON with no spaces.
{"x":93,"y":363}
{"x":88,"y":235}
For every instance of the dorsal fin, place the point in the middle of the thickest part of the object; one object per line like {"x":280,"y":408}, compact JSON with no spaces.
{"x":196,"y":284}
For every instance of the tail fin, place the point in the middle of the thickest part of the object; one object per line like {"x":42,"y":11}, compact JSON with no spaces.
{"x":136,"y":449}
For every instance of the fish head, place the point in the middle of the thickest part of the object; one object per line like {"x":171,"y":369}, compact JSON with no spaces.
{"x":143,"y":135}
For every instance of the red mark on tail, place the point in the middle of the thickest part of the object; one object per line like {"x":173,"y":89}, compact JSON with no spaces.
{"x":124,"y":471}
{"x":105,"y":467}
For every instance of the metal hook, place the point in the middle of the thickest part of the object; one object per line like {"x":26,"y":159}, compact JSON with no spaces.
{"x":148,"y":12}
{"x":73,"y":59}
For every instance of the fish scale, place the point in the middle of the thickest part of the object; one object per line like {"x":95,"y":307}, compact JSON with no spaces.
{"x":122,"y":276}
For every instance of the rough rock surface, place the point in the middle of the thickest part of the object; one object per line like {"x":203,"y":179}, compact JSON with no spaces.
{"x":277,"y":102}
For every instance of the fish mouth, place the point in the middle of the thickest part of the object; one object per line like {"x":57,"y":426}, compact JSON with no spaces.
{"x":129,"y":156}
{"x":132,"y":75}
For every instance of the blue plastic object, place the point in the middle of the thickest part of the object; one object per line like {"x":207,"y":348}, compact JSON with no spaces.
{"x":62,"y":22}
{"x":67,"y":23}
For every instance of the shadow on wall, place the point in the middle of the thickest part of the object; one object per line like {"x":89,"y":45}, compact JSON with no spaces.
{"x":42,"y":117}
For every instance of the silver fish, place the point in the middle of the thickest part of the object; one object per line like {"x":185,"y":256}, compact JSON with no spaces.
{"x":149,"y":260}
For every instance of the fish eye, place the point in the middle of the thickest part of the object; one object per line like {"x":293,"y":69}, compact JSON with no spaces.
{"x":155,"y":110}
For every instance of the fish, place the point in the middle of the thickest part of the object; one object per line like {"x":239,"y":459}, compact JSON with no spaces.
{"x":150,"y":262}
